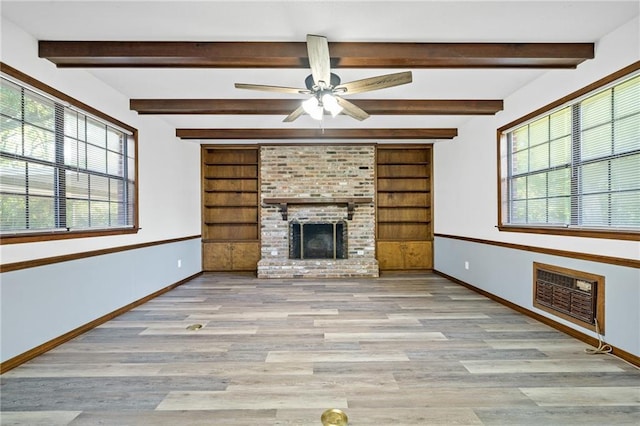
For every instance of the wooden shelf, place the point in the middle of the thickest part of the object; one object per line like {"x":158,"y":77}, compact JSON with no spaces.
{"x":230,"y":164}
{"x":348,"y":202}
{"x":406,"y":163}
{"x":229,"y":223}
{"x":399,"y":177}
{"x":230,"y":177}
{"x":424,"y":191}
{"x":404,"y":228}
{"x":222,"y":206}
{"x":396,"y":207}
{"x":208,"y":240}
{"x":399,"y":241}
{"x":230,"y":209}
{"x":403,"y":206}
{"x":231,"y":191}
{"x":419,"y":222}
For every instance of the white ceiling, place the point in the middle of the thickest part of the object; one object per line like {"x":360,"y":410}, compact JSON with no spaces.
{"x":344,"y":20}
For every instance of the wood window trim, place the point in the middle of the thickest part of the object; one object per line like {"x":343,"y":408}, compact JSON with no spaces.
{"x":62,"y":235}
{"x":585,"y":233}
{"x":611,"y":234}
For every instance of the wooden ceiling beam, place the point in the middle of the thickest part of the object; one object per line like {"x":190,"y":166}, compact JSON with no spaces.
{"x":283,"y":134}
{"x":174,"y":54}
{"x":285,"y":106}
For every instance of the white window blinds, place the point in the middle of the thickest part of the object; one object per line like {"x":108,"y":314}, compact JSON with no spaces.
{"x":579,"y":166}
{"x":608,"y":158}
{"x":61,"y":169}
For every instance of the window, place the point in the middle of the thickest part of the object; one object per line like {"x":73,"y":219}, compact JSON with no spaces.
{"x":575,"y":168}
{"x":65,"y":169}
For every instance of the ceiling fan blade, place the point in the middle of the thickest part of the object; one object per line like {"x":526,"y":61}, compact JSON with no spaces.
{"x":352,"y":110}
{"x":294,"y":115}
{"x":264,"y":88}
{"x":375,"y":83}
{"x":319,"y":60}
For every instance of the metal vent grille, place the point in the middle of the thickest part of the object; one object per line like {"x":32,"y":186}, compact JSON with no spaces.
{"x":570,"y":294}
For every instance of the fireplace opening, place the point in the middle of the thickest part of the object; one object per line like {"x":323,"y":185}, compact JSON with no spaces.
{"x":319,"y":240}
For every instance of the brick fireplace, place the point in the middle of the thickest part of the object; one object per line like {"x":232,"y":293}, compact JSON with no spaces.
{"x":317,"y":184}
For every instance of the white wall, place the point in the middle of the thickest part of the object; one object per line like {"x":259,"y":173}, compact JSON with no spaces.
{"x":466,"y":193}
{"x":169,"y":169}
{"x":40,"y":304}
{"x":465,"y":169}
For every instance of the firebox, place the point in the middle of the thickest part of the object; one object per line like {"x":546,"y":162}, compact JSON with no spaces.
{"x":317,"y":240}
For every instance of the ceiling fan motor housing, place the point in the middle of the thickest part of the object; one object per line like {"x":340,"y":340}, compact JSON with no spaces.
{"x":334,"y":81}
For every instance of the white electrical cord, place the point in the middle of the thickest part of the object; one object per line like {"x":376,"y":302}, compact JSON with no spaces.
{"x":602,"y":348}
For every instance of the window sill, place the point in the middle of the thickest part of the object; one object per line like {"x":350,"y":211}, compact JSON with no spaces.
{"x":52,"y":236}
{"x":574,"y":232}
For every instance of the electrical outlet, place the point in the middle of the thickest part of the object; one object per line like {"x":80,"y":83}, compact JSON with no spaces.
{"x":179,"y":263}
{"x":466,"y":264}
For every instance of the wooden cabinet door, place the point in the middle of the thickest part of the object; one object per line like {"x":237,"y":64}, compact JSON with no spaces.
{"x":404,"y":255}
{"x":230,"y":256}
{"x":389,"y":255}
{"x":216,"y":257}
{"x":418,"y":255}
{"x":245,"y":256}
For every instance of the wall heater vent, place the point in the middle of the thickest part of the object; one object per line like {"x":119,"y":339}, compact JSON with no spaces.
{"x":573,"y":295}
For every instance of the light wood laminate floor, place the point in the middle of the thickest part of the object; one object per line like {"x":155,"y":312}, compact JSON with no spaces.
{"x":398,"y":350}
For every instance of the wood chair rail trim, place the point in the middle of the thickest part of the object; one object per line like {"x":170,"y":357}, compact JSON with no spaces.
{"x":16,"y":266}
{"x":630,"y":263}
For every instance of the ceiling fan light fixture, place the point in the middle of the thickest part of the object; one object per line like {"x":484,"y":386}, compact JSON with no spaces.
{"x":313,"y":108}
{"x":330,"y":103}
{"x":326,"y":88}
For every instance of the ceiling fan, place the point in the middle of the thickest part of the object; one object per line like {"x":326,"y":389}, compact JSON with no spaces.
{"x":325,"y":87}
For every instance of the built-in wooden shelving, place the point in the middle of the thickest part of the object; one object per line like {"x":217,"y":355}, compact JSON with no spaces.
{"x":403,"y":208}
{"x":230,"y":208}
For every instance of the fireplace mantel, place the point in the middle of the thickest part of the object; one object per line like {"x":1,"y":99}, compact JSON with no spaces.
{"x":348,"y":202}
